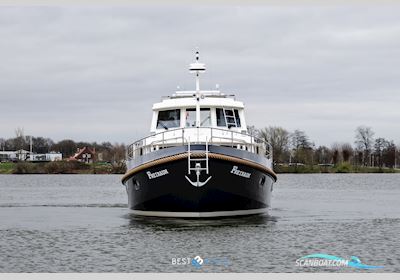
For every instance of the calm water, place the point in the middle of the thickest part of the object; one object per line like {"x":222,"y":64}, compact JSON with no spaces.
{"x":80,"y":223}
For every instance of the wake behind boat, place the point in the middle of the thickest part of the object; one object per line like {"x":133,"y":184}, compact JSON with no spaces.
{"x":199,"y":160}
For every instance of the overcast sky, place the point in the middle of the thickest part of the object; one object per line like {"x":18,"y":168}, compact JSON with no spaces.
{"x":93,"y":73}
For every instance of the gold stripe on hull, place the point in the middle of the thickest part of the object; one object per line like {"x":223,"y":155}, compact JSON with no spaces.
{"x":200,"y":155}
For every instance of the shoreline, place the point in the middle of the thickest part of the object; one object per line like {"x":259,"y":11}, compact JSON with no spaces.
{"x":343,"y":168}
{"x":61,"y":167}
{"x":105,"y":168}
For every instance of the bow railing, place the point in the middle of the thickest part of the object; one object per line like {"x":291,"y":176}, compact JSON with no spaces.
{"x":199,"y":135}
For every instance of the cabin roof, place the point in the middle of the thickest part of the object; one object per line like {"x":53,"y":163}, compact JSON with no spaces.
{"x":207,"y":101}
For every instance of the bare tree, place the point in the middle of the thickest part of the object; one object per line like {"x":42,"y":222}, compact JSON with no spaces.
{"x":389,"y":154}
{"x":323,"y":155}
{"x":379,"y":146}
{"x":300,"y":139}
{"x":19,"y":138}
{"x":2,"y":144}
{"x":19,"y":142}
{"x":118,"y":151}
{"x":253,"y":131}
{"x":364,"y":141}
{"x":302,"y":147}
{"x":336,"y":151}
{"x":279,"y":140}
{"x":347,"y":151}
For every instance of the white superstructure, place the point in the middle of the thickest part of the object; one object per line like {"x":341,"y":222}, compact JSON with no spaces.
{"x":199,"y":109}
{"x":199,"y":117}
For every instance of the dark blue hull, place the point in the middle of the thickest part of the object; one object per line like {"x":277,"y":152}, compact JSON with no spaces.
{"x":233,"y":189}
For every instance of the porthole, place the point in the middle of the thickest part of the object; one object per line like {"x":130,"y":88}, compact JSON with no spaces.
{"x":136,"y":184}
{"x":262,"y":181}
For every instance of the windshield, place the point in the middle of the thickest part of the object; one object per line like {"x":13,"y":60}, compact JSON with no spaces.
{"x":168,"y":119}
{"x":205,"y":117}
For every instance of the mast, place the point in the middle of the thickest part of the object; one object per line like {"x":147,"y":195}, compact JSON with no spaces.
{"x":197,"y":68}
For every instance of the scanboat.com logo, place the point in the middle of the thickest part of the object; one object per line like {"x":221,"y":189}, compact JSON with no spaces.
{"x":324,"y":260}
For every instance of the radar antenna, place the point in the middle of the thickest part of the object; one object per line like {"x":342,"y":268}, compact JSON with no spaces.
{"x":197,"y":68}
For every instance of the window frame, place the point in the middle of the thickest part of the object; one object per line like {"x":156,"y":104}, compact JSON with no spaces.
{"x":191,"y":109}
{"x":176,"y":122}
{"x":222,"y":122}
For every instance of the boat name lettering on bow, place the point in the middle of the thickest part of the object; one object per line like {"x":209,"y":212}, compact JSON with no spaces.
{"x":157,"y":173}
{"x":238,"y":172}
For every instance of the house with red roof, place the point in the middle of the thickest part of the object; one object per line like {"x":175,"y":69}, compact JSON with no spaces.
{"x":85,"y":154}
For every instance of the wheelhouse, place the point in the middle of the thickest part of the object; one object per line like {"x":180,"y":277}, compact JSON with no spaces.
{"x":217,"y":110}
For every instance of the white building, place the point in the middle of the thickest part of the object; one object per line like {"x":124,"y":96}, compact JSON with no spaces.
{"x":24,"y":155}
{"x":53,"y":156}
{"x":7,"y":156}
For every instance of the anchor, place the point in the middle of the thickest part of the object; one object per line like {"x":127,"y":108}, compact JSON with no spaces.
{"x":198,"y":183}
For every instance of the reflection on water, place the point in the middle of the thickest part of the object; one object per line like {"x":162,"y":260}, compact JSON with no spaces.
{"x":193,"y":223}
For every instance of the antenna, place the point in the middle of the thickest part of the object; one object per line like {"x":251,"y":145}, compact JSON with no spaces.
{"x":197,"y":68}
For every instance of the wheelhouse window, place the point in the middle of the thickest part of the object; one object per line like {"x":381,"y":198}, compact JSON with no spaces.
{"x":237,"y":118}
{"x":205,"y":117}
{"x":168,"y":119}
{"x":190,"y":120}
{"x":228,"y":117}
{"x":220,"y":117}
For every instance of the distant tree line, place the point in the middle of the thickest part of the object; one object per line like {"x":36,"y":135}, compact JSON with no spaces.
{"x":288,"y":148}
{"x":296,"y":148}
{"x":112,"y":153}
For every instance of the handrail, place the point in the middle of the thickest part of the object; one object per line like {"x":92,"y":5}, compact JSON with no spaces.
{"x":141,"y":146}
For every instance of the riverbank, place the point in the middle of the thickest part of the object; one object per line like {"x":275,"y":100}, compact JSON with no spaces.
{"x":61,"y":167}
{"x":340,"y":168}
{"x":76,"y":167}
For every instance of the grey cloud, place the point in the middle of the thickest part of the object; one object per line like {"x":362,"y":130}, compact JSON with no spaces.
{"x":105,"y":66}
